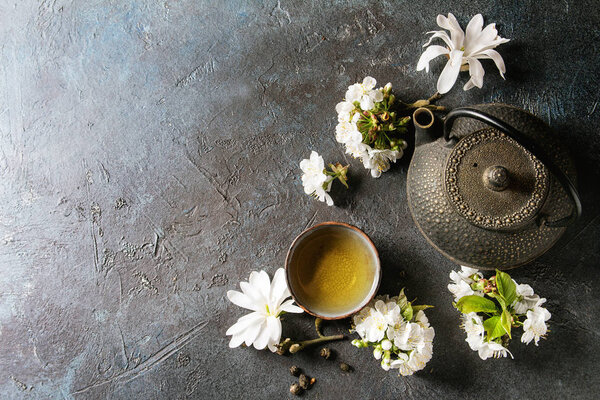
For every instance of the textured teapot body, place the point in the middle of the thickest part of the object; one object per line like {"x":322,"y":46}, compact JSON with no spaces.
{"x":482,"y":200}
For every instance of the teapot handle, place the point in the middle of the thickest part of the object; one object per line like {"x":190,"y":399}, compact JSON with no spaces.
{"x":530,"y":146}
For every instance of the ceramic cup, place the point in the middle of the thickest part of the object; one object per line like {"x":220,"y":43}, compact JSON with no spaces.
{"x":295,"y":268}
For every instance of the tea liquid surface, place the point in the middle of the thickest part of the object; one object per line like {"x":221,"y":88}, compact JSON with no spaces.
{"x":333,"y":271}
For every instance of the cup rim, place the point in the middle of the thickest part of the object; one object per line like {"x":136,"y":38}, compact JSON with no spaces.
{"x":371,"y":245}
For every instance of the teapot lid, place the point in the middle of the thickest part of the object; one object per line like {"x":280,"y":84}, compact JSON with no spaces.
{"x":494,"y":182}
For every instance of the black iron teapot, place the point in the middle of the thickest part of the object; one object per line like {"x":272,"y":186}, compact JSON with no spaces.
{"x":495,"y":190}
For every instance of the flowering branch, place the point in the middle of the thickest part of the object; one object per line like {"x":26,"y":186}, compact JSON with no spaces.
{"x":493,"y":307}
{"x":317,"y":180}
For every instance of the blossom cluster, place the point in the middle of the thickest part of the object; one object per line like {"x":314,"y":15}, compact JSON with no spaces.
{"x":317,"y":180}
{"x":399,"y":333}
{"x":493,"y":307}
{"x":368,"y":126}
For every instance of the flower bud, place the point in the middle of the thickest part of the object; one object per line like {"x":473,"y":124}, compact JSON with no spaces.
{"x":387,"y":88}
{"x":377,"y":353}
{"x":387,"y":356}
{"x":385,"y":116}
{"x":386,"y":344}
{"x":385,"y":365}
{"x":392,"y":99}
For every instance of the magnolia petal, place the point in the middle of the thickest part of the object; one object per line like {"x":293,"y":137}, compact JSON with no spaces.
{"x":263,"y":336}
{"x":241,"y":300}
{"x":288,"y":306}
{"x":476,"y":71}
{"x":442,"y":35}
{"x":474,"y":28}
{"x":255,"y":296}
{"x":469,"y":85}
{"x":261,"y":282}
{"x":236,"y":341}
{"x":279,"y":290}
{"x":456,"y":33}
{"x":429,"y":54}
{"x":252,"y":332}
{"x":243,"y":323}
{"x":494,"y":55}
{"x":274,"y":327}
{"x":450,"y":73}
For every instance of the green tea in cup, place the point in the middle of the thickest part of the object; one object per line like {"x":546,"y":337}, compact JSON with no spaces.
{"x":333,"y":270}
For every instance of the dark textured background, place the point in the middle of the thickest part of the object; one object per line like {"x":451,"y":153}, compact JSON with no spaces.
{"x":149,"y":160}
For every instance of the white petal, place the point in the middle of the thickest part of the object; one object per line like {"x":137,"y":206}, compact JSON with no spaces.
{"x":442,"y":35}
{"x":252,"y":332}
{"x":257,"y":298}
{"x":288,"y":306}
{"x":241,"y":300}
{"x":366,"y":103}
{"x":369,"y":82}
{"x":450,"y":73}
{"x":376,"y":95}
{"x":278,"y":287}
{"x":264,"y":335}
{"x":494,"y":55}
{"x":243,"y":323}
{"x":328,"y":199}
{"x":469,"y":85}
{"x":236,"y":341}
{"x":476,"y":71}
{"x":429,"y":54}
{"x":474,"y":28}
{"x":456,"y":33}
{"x":261,"y":282}
{"x":274,"y":325}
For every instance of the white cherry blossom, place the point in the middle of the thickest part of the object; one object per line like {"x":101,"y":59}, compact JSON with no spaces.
{"x":534,"y":327}
{"x":365,"y":93}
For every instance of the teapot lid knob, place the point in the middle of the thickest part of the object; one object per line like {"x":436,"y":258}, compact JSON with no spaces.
{"x":496,"y":178}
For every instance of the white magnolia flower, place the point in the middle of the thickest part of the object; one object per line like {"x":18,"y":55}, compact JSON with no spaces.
{"x":526,"y":299}
{"x":378,"y":161}
{"x":464,"y":50}
{"x":314,"y":178}
{"x":462,"y":281}
{"x":365,"y":93}
{"x":267,"y":300}
{"x":534,"y":326}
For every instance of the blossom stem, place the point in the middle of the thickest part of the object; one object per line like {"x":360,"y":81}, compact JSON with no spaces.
{"x":296,"y":347}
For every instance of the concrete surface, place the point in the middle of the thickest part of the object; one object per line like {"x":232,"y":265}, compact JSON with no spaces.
{"x":149,"y":160}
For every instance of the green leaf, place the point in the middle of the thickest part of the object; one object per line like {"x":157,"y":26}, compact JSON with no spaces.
{"x":505,"y":319}
{"x":402,"y":301}
{"x":475,"y":303}
{"x":506,"y":287}
{"x":499,"y":298}
{"x":493,"y":327}
{"x":407,"y":313}
{"x":422,"y":307}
